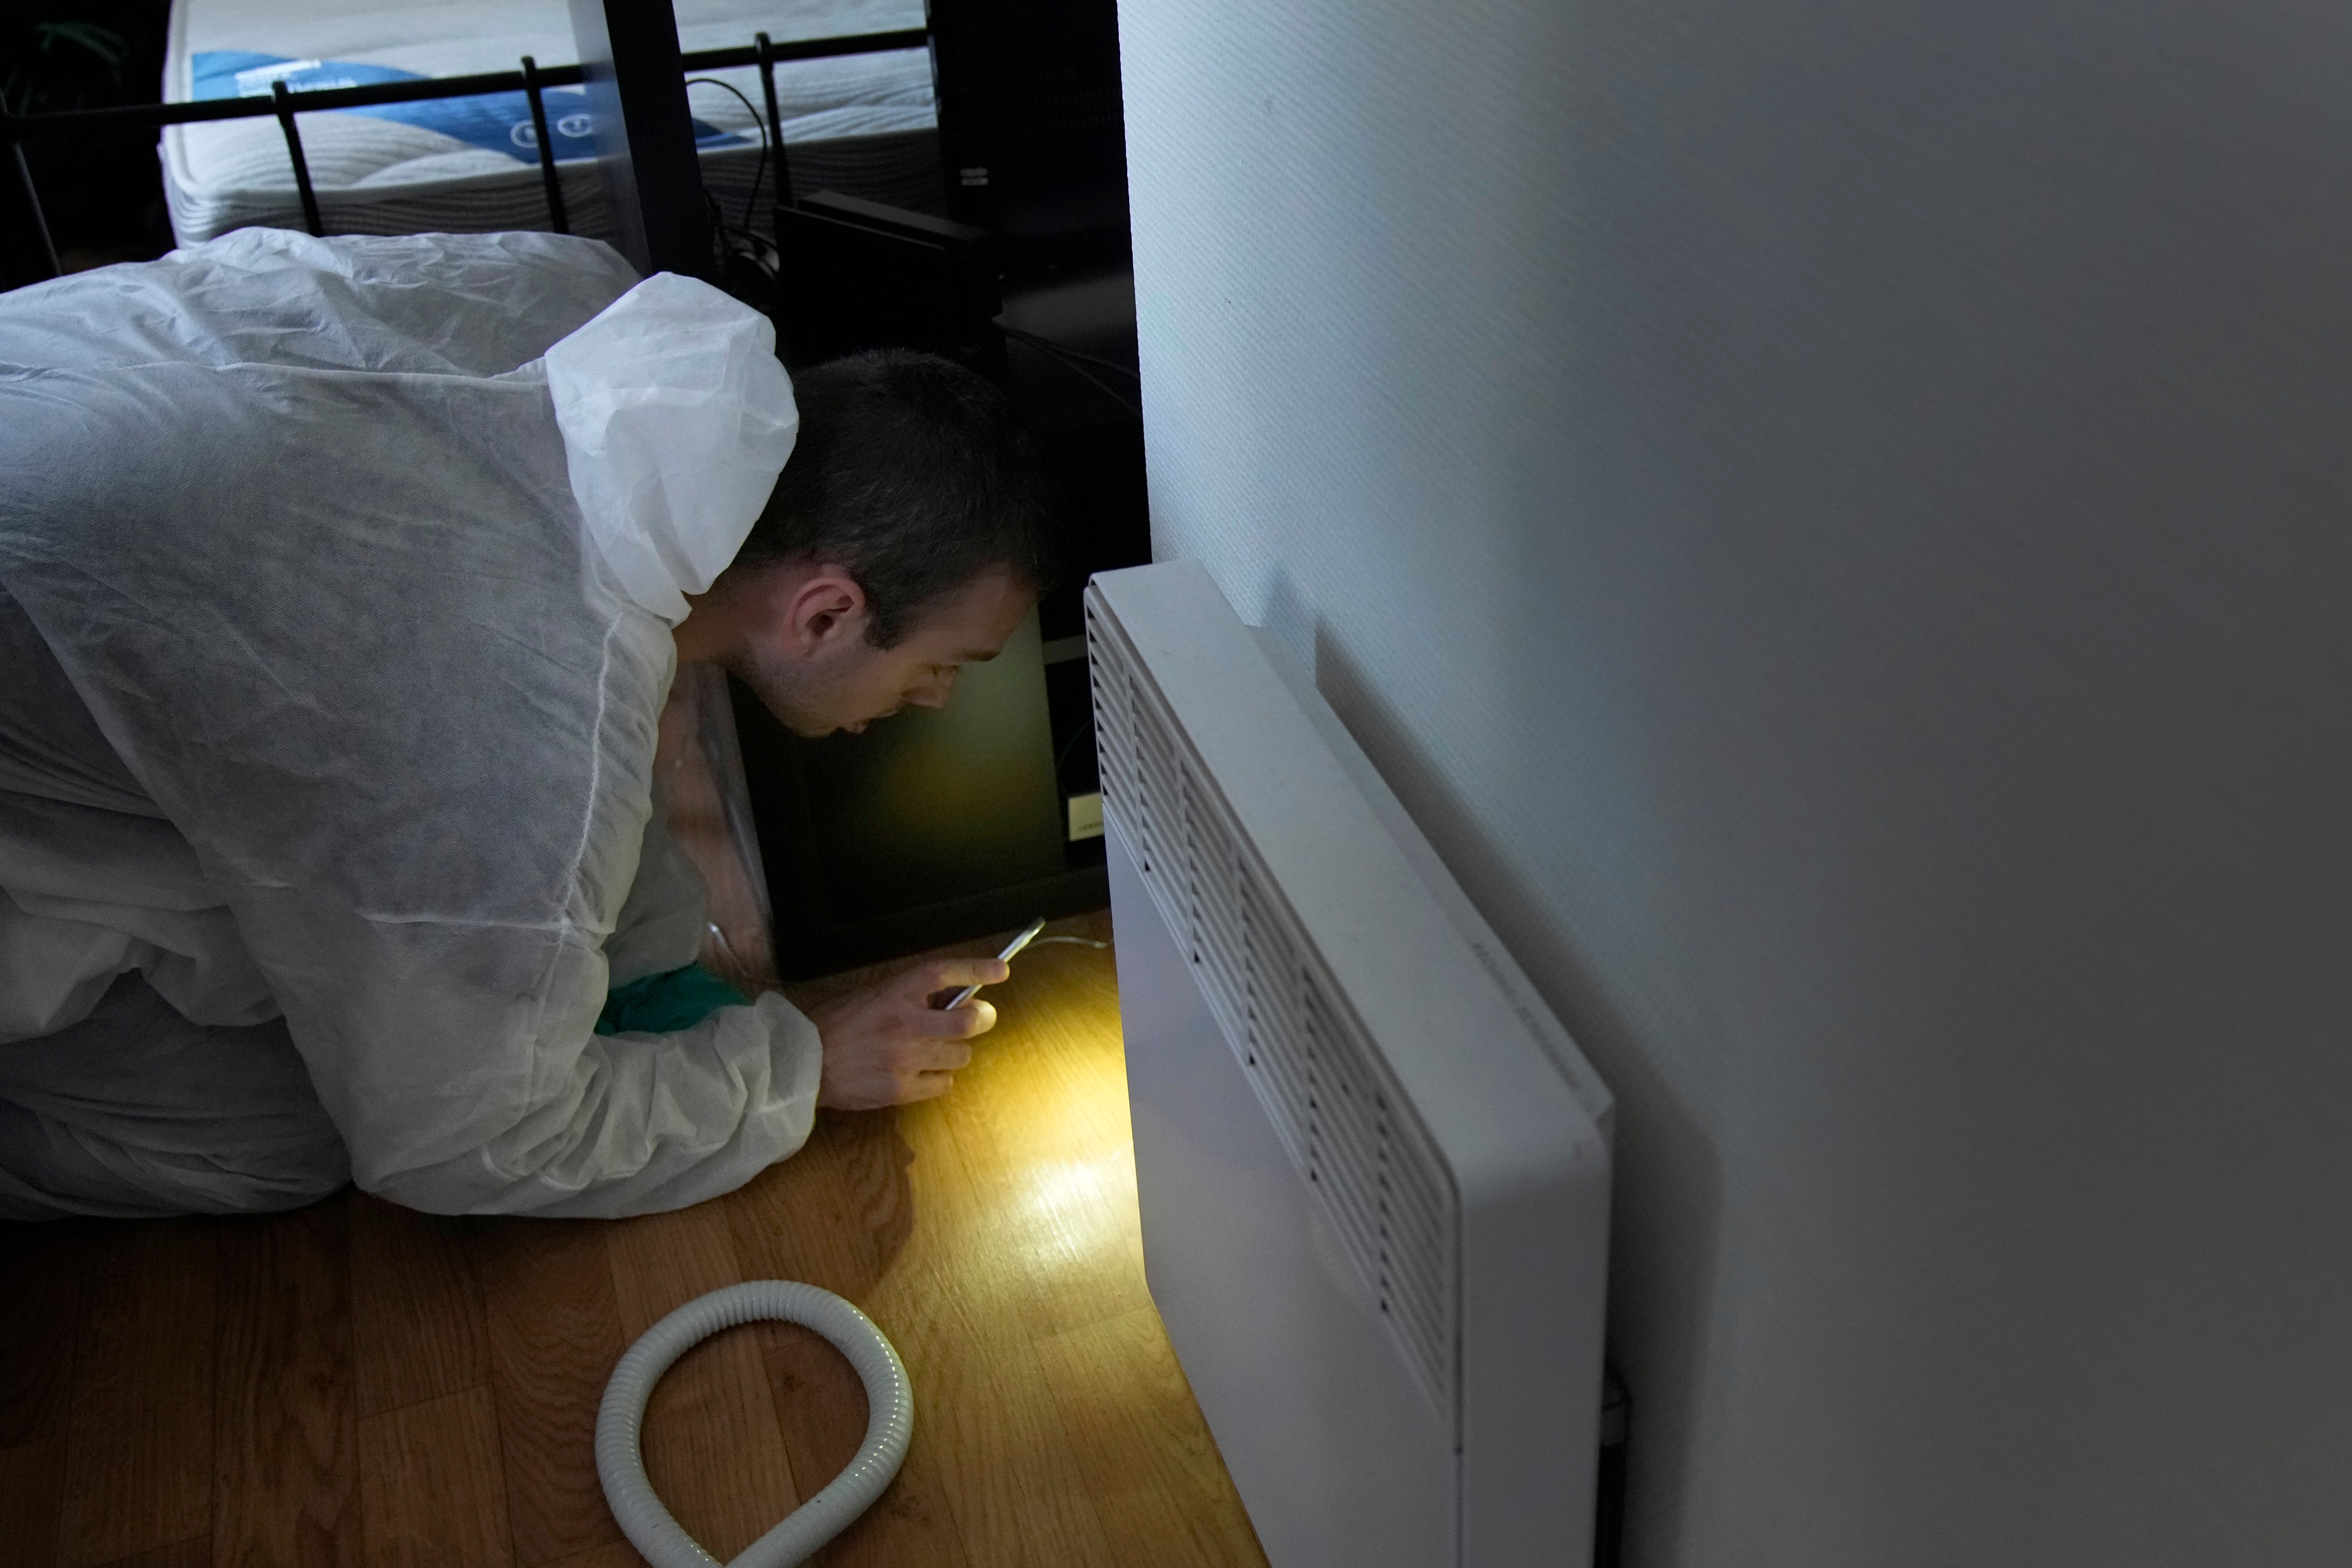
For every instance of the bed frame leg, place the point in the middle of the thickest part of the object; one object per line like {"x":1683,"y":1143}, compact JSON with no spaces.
{"x":775,"y":122}
{"x":26,"y":255}
{"x":557,"y":218}
{"x":635,"y":76}
{"x":285,"y":101}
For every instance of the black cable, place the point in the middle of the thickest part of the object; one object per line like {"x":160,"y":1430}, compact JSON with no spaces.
{"x":1064,"y":350}
{"x":1061,"y":760}
{"x":750,"y":203}
{"x":729,"y":243}
{"x":1061,"y":356}
{"x":741,"y":241}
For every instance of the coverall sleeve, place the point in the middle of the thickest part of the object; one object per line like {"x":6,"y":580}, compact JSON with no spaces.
{"x":448,"y":1022}
{"x":462,"y":1066}
{"x":666,"y":913}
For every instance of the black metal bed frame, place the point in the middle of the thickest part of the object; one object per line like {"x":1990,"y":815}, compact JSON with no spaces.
{"x":30,"y":257}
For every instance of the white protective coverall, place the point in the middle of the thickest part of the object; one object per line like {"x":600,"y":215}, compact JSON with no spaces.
{"x":336,"y":587}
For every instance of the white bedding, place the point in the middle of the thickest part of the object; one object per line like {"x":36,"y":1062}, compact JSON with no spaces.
{"x":862,"y":124}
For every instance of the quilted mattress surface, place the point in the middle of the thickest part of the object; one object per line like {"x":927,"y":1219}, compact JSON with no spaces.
{"x":861,"y":125}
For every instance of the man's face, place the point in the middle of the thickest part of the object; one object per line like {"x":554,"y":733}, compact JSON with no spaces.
{"x":845,"y":682}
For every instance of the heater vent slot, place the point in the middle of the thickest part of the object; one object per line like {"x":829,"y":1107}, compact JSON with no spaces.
{"x":1367,"y":1161}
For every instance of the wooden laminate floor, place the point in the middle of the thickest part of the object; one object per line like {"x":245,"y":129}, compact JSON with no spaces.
{"x":355,"y":1385}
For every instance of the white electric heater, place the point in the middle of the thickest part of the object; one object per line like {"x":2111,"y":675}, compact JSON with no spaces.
{"x":1373,"y":1169}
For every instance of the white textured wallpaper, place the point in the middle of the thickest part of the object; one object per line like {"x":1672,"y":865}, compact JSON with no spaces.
{"x":1837,"y":520}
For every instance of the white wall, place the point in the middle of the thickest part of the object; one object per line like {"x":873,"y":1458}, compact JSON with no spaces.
{"x":1838,"y":519}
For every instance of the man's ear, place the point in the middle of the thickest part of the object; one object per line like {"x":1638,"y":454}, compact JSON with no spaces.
{"x":823,"y":609}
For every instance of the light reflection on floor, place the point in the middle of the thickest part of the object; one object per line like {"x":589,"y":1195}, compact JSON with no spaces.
{"x":993,"y":1233}
{"x":1083,"y":1209}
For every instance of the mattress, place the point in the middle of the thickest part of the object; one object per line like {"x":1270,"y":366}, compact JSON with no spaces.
{"x":862,"y":124}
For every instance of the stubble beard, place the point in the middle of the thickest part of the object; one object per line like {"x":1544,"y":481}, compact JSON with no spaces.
{"x":797,"y":701}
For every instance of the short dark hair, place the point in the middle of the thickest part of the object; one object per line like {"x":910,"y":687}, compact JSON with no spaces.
{"x":914,"y":474}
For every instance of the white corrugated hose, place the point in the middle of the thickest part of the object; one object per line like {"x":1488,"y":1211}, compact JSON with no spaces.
{"x":890,"y":1422}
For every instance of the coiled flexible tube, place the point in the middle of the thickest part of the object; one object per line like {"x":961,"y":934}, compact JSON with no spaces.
{"x":890,"y":1422}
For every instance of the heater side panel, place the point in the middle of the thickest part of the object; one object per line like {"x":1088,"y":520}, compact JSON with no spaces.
{"x":1337,"y":1453}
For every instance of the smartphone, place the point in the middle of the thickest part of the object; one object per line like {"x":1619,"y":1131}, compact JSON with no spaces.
{"x":1028,"y":934}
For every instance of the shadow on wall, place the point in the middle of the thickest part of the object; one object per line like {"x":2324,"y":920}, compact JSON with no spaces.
{"x":1667,"y":1198}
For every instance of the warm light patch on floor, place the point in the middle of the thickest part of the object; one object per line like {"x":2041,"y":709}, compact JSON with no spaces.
{"x":358,"y":1384}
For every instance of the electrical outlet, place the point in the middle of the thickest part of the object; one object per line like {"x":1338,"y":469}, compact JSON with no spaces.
{"x":1086,"y":817}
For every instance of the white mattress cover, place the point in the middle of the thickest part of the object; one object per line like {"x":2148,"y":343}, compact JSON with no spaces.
{"x":859,"y":123}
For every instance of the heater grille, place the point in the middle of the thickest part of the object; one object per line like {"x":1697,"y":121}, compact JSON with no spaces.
{"x":1367,"y":1161}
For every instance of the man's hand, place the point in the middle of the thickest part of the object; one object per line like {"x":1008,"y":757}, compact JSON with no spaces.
{"x":888,"y":1045}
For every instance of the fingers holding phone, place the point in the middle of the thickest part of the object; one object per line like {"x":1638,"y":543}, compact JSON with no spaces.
{"x":889,"y":1045}
{"x":1028,"y":934}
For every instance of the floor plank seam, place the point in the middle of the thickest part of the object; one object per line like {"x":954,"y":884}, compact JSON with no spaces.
{"x":425,"y":1399}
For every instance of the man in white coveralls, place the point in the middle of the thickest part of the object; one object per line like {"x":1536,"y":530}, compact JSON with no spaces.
{"x":341,"y":585}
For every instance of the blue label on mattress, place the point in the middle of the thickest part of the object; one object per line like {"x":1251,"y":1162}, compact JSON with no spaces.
{"x":495,"y":121}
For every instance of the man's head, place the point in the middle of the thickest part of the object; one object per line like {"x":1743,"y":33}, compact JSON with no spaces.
{"x":910,"y":535}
